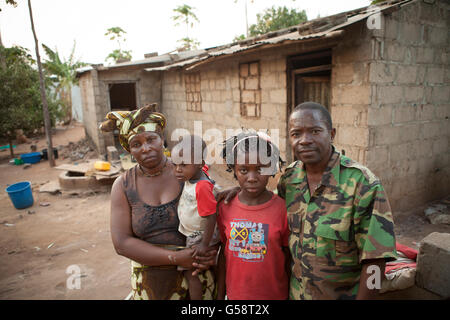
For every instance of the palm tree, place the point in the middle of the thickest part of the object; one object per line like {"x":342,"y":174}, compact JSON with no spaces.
{"x":65,"y":73}
{"x":185,"y":14}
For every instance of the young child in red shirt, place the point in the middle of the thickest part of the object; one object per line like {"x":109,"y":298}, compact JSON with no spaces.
{"x":197,"y":204}
{"x":254,"y":257}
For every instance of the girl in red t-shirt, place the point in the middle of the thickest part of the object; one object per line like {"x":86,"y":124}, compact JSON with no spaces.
{"x":254,"y":258}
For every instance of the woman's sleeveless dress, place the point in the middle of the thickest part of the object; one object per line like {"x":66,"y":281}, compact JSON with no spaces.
{"x":158,"y":225}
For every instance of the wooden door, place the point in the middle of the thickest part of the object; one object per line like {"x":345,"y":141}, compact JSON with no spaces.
{"x":312,"y":88}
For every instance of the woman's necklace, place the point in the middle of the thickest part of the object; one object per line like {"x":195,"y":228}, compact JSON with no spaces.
{"x":153,"y":174}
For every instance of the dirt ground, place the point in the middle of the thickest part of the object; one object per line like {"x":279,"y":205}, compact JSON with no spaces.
{"x":40,"y":243}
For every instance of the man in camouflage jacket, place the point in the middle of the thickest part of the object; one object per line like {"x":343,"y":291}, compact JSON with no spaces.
{"x":339,"y":215}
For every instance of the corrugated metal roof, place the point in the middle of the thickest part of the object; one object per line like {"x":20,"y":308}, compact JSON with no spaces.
{"x":314,"y":29}
{"x":169,"y":58}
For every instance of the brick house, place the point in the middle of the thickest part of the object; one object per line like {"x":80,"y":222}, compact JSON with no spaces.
{"x":383,"y":72}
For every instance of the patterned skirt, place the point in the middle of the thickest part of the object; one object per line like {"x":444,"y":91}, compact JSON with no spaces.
{"x":166,"y":283}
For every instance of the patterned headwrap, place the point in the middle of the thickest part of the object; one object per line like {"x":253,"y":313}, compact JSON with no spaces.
{"x":130,"y":123}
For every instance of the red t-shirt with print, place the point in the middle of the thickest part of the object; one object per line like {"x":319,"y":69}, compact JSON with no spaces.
{"x":253,"y":237}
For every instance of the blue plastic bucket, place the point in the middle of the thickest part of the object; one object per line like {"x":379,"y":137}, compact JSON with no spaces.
{"x":20,"y":194}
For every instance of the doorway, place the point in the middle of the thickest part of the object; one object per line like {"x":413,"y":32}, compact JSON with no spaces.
{"x":122,"y":96}
{"x":309,"y":79}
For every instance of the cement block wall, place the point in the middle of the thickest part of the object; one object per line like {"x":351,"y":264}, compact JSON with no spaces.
{"x":86,"y":83}
{"x":221,"y":93}
{"x":390,"y":98}
{"x":221,"y":98}
{"x":351,"y":92}
{"x":409,"y":104}
{"x":95,"y":97}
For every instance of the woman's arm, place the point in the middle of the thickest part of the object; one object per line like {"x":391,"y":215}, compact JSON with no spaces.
{"x":126,"y":244}
{"x":228,"y":194}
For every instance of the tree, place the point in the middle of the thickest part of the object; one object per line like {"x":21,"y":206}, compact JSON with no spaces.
{"x":65,"y":76}
{"x":242,"y":37}
{"x":47,"y":123}
{"x":20,"y":100}
{"x":14,"y":4}
{"x":118,"y":55}
{"x":186,"y":15}
{"x":273,"y":19}
{"x":239,"y":38}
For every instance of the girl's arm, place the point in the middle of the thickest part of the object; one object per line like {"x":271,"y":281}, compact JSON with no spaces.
{"x":221,"y":272}
{"x":126,"y":244}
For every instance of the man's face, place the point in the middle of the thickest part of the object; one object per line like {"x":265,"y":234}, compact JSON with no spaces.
{"x":310,"y":137}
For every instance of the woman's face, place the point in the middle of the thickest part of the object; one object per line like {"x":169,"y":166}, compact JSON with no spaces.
{"x":147,"y":149}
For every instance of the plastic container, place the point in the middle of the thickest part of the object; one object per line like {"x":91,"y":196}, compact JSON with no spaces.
{"x":17,"y":161}
{"x":45,"y":155}
{"x":102,"y":165}
{"x":21,"y":195}
{"x":33,"y":157}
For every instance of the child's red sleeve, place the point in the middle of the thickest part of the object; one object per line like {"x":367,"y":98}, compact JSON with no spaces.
{"x":206,"y":202}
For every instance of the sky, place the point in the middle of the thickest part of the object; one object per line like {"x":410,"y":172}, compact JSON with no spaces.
{"x":148,"y":23}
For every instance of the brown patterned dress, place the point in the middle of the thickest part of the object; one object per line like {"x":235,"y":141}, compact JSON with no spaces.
{"x":158,"y":225}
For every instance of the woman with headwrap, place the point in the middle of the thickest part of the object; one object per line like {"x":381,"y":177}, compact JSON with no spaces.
{"x":144,"y":220}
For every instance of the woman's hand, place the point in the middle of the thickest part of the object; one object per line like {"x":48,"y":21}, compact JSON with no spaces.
{"x":228,"y":194}
{"x":204,"y":262}
{"x":182,"y":258}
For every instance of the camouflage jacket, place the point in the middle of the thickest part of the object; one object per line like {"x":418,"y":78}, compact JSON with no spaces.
{"x":347,"y":220}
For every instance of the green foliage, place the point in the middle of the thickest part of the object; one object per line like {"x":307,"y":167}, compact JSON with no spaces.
{"x":183,"y":14}
{"x":186,"y":15}
{"x":377,"y":1}
{"x":64,"y":77}
{"x":187,"y":44}
{"x":11,"y":2}
{"x":273,"y":19}
{"x":239,"y":38}
{"x":119,"y":54}
{"x":117,"y":33}
{"x":20,"y":98}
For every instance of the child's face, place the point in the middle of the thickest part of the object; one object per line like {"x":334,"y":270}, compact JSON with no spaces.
{"x":186,"y":171}
{"x":250,"y":179}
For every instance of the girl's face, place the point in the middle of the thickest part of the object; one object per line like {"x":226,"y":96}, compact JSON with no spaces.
{"x":147,"y":149}
{"x":250,"y":179}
